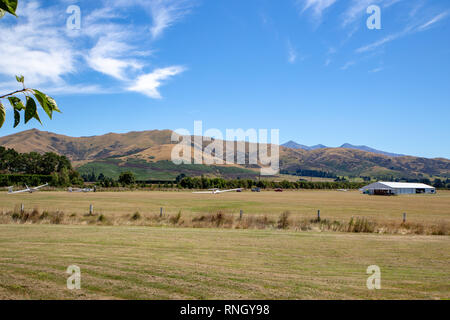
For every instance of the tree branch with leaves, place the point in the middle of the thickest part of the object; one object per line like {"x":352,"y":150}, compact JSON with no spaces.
{"x":29,"y":105}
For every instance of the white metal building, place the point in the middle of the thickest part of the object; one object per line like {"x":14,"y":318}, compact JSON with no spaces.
{"x":395,"y":188}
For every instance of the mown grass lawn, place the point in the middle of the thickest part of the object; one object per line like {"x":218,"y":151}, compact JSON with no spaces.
{"x":185,"y":263}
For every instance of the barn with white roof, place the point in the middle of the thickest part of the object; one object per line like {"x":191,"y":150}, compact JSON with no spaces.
{"x":395,"y":188}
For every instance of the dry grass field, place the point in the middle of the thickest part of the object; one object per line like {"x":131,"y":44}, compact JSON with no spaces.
{"x":185,"y":263}
{"x":426,"y":209}
{"x":122,"y":258}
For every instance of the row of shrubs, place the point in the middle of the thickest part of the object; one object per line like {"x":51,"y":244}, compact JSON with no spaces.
{"x":21,"y":179}
{"x":225,"y":220}
{"x":64,"y":178}
{"x":206,"y":183}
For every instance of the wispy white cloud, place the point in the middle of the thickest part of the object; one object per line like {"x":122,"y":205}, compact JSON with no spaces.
{"x":148,"y":84}
{"x":105,"y":57}
{"x":356,"y":10}
{"x":434,"y":20}
{"x":389,"y":3}
{"x":376,"y":70}
{"x":165,"y":13}
{"x":381,"y":42}
{"x":348,"y":65}
{"x":416,"y":8}
{"x":411,"y":29}
{"x":316,"y":6}
{"x":35,"y":48}
{"x":78,"y":89}
{"x":292,"y":53}
{"x":52,"y":54}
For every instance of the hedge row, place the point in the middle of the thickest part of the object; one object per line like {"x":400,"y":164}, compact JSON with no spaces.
{"x":7,"y":180}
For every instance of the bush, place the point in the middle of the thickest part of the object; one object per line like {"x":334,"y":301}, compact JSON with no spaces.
{"x":127,"y":178}
{"x":176,"y":219}
{"x":283,"y":221}
{"x":57,"y":218}
{"x":44,"y":215}
{"x":441,"y":229}
{"x":34,"y":216}
{"x":360,"y":225}
{"x":15,"y":216}
{"x":136,"y":216}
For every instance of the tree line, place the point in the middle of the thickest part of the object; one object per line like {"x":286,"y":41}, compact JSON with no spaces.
{"x":310,"y":173}
{"x":207,"y":183}
{"x":34,"y":168}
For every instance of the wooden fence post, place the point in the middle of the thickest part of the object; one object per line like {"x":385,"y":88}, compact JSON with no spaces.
{"x":404,"y":217}
{"x":160,"y":212}
{"x":240,"y":214}
{"x":318,"y":215}
{"x":91,"y":210}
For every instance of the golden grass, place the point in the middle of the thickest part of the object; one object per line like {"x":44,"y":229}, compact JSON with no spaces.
{"x":184,"y":263}
{"x":334,"y":205}
{"x":225,"y":221}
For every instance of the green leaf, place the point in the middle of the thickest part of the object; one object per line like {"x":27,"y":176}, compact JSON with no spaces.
{"x":16,"y":118}
{"x":2,"y":114}
{"x":20,"y":79}
{"x":43,"y":101}
{"x":46,"y":100}
{"x":53,"y":104}
{"x":16,"y":103}
{"x":9,"y":6}
{"x":36,"y":116}
{"x":2,"y":13}
{"x":30,"y":109}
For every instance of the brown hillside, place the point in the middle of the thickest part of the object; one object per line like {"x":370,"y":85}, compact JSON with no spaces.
{"x":86,"y":148}
{"x":156,"y":145}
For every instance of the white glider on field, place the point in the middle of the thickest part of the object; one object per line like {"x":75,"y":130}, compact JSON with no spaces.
{"x":28,"y":189}
{"x":80,"y":190}
{"x":216,"y":191}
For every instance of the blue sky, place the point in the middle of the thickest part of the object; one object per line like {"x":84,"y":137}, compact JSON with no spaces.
{"x":310,"y":68}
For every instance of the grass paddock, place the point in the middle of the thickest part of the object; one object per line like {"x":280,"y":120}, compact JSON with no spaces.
{"x":301,"y":204}
{"x":184,"y":263}
{"x":137,"y":262}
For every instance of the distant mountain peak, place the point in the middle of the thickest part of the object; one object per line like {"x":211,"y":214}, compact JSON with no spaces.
{"x":294,"y":145}
{"x":369,"y":149}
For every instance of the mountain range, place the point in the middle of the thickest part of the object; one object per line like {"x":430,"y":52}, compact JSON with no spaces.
{"x":148,"y":155}
{"x":295,"y":145}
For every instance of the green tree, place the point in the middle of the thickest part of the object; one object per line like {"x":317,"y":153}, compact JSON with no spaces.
{"x":28,"y":106}
{"x":127,"y":178}
{"x":49,"y":163}
{"x":180,"y":177}
{"x":55,"y":180}
{"x":438,"y":183}
{"x":64,"y":178}
{"x":75,"y":178}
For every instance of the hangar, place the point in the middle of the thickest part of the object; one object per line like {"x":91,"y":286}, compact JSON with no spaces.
{"x":396,"y":188}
